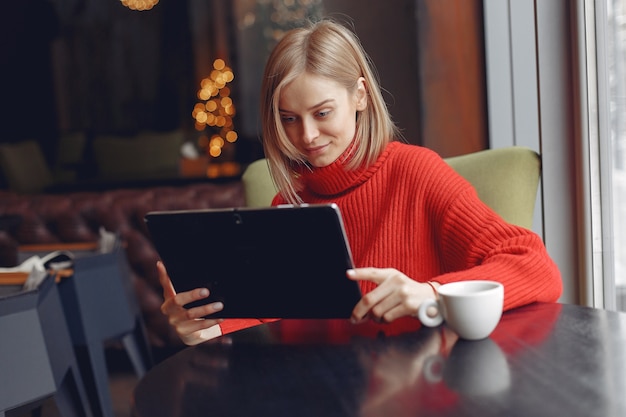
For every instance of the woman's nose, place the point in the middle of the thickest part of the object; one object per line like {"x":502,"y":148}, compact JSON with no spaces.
{"x":309,"y":131}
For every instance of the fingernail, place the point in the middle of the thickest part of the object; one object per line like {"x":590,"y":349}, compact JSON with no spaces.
{"x":204,"y":292}
{"x":218,"y":306}
{"x":350,"y":272}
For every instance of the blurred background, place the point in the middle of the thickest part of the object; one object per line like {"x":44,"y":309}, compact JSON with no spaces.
{"x":87,"y":77}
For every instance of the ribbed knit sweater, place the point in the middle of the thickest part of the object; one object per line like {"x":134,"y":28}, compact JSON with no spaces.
{"x":411,"y":211}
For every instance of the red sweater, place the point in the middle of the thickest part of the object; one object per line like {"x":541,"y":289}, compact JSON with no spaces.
{"x":412,"y":212}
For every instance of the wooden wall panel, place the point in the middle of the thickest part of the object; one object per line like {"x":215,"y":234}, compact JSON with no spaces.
{"x":451,"y":70}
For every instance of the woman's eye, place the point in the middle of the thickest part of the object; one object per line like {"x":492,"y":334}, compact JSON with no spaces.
{"x":288,"y":119}
{"x":323,"y":113}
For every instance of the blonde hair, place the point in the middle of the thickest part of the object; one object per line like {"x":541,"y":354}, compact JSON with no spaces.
{"x":330,"y":50}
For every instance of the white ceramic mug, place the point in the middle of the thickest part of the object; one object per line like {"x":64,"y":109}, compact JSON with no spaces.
{"x":472,"y":309}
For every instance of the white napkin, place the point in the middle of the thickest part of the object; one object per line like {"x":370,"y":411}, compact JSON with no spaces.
{"x":38,"y":266}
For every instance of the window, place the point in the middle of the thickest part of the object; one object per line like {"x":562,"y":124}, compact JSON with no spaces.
{"x":556,"y":76}
{"x":613,"y":23}
{"x":605,"y":30}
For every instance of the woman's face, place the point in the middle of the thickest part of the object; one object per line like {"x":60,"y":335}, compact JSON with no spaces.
{"x":319,"y":116}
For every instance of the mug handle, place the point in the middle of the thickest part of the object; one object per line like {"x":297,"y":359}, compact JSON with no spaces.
{"x":423,"y":316}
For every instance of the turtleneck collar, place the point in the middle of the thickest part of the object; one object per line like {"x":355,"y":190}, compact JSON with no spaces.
{"x":336,"y":178}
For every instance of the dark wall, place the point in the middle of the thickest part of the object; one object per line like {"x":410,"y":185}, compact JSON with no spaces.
{"x":98,"y":67}
{"x":122,"y":71}
{"x":27,"y":30}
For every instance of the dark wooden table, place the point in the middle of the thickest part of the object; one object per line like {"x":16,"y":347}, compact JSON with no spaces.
{"x":542,"y":360}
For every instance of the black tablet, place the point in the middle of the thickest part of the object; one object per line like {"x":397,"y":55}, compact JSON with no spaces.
{"x":274,"y":262}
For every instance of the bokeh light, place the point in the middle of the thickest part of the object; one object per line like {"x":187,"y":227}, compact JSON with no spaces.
{"x":216,"y":110}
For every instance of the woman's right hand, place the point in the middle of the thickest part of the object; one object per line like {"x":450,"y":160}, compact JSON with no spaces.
{"x":190,"y":324}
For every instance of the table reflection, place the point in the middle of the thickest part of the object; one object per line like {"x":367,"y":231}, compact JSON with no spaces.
{"x":319,"y":367}
{"x":542,"y":359}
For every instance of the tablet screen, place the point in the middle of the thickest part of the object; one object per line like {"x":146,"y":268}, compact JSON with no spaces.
{"x":274,"y":262}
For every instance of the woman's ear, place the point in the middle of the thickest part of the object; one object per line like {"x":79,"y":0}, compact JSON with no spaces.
{"x":361,"y":94}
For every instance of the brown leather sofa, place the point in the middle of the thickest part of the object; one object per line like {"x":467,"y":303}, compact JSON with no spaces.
{"x":47,"y":218}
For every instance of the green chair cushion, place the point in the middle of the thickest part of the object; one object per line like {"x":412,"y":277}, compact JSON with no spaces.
{"x":506,"y":179}
{"x":24,"y":167}
{"x":258,"y":184}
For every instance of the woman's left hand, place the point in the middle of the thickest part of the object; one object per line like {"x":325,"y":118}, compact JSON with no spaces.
{"x":395,"y":296}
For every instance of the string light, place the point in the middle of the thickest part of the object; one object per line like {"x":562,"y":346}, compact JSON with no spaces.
{"x":216,"y":109}
{"x":139,"y":5}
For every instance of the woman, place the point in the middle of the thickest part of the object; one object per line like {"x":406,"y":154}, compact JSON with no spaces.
{"x":412,"y":222}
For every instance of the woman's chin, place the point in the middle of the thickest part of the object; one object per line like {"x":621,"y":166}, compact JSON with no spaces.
{"x":322,"y":161}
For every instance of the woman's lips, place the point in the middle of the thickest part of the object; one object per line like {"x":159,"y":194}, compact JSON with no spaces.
{"x":316,"y":150}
